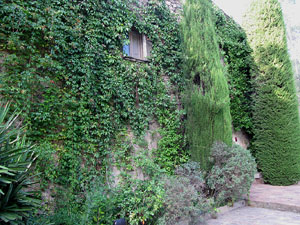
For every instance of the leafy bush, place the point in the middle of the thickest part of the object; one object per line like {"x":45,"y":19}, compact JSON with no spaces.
{"x":196,"y":177}
{"x":68,"y":208}
{"x":232,"y":174}
{"x":138,"y":201}
{"x":102,"y":205}
{"x":16,"y":158}
{"x":142,"y":201}
{"x":184,"y":198}
{"x":39,"y":220}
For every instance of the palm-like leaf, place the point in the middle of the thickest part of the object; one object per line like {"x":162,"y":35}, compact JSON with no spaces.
{"x":16,"y":158}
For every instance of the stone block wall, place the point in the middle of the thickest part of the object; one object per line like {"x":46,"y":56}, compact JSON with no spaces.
{"x":175,"y":6}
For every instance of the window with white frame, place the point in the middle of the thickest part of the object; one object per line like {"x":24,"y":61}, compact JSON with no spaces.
{"x":139,"y":46}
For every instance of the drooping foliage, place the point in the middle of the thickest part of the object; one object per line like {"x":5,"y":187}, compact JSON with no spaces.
{"x":275,"y":115}
{"x":236,"y":51}
{"x":16,"y":158}
{"x":207,"y":97}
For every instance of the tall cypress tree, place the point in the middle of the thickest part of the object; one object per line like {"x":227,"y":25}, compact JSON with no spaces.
{"x":275,"y":116}
{"x":207,"y":98}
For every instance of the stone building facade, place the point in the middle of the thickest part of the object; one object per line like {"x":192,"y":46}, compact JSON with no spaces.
{"x":175,"y":6}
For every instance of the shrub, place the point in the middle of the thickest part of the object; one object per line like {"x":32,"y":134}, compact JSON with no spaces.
{"x":102,"y":205}
{"x":142,"y":201}
{"x":39,"y":220}
{"x":16,"y":157}
{"x":66,"y":210}
{"x":232,"y":174}
{"x":275,"y":114}
{"x":184,"y":199}
{"x":136,"y":200}
{"x":193,"y":173}
{"x":68,"y":207}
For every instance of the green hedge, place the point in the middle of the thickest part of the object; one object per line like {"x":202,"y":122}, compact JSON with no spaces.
{"x":276,"y":116}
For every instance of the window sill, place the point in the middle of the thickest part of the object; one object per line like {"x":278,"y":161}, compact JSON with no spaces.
{"x":135,"y":59}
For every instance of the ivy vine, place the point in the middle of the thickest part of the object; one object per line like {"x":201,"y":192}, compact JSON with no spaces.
{"x":240,"y":66}
{"x":63,"y":67}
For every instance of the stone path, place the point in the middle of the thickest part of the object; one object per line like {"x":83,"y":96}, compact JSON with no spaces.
{"x":256,"y":216}
{"x":269,"y":205}
{"x":284,"y":198}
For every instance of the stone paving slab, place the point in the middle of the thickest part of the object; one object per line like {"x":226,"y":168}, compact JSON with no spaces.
{"x":284,"y":198}
{"x":256,"y":216}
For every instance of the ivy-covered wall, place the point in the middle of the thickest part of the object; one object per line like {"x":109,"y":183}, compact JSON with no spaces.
{"x":89,"y":110}
{"x":175,"y":6}
{"x":240,"y":67}
{"x":63,"y":68}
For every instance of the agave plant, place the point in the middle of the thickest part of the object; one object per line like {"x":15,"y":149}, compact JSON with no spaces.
{"x":16,"y":157}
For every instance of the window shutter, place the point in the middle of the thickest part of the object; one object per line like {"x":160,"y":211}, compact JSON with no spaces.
{"x":136,"y":44}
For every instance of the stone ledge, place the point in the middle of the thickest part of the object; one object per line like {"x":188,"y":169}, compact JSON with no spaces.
{"x":275,"y":206}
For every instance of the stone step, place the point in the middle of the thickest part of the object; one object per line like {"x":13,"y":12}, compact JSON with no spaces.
{"x":282,"y":198}
{"x":275,"y":206}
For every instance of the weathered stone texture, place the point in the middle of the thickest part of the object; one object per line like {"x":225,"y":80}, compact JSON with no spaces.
{"x":240,"y":138}
{"x":175,"y":6}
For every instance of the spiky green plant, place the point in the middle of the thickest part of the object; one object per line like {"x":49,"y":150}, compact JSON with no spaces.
{"x":275,"y":116}
{"x":16,"y":158}
{"x":207,"y":98}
